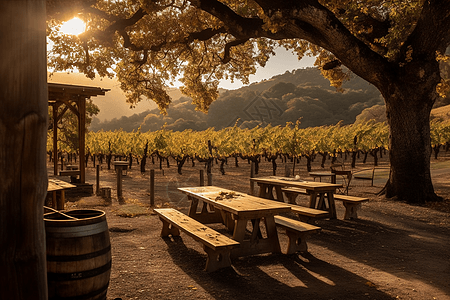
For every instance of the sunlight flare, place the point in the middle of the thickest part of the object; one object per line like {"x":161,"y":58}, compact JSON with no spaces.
{"x":74,"y":26}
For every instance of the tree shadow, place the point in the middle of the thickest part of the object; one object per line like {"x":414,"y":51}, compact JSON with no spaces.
{"x":396,"y":245}
{"x":272,"y":276}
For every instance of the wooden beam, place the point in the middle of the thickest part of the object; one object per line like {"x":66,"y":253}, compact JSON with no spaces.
{"x":55,"y":139}
{"x":81,"y":137}
{"x":23,"y":143}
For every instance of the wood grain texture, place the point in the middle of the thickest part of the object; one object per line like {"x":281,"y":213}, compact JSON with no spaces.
{"x":23,"y":133}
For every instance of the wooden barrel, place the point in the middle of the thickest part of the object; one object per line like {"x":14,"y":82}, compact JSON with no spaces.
{"x":78,"y":254}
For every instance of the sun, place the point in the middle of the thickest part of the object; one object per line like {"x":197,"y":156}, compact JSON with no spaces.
{"x":74,"y":26}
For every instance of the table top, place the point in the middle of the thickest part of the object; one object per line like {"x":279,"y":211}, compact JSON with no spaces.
{"x":321,"y":174}
{"x":237,"y":203}
{"x":292,"y":182}
{"x":58,"y":185}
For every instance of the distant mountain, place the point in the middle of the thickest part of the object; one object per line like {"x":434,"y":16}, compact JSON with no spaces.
{"x":113,"y":104}
{"x":299,"y":95}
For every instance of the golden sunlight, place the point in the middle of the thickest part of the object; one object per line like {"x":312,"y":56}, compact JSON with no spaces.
{"x":74,"y":26}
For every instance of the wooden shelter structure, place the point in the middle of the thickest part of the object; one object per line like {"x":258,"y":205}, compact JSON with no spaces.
{"x":64,"y":97}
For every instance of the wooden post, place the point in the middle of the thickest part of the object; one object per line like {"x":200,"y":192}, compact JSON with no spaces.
{"x":119,"y":183}
{"x":209,"y":179}
{"x":152,"y":187}
{"x":23,"y":146}
{"x":97,"y":179}
{"x":202,"y":178}
{"x":252,"y":174}
{"x":287,"y":172}
{"x":55,"y":108}
{"x":81,"y":137}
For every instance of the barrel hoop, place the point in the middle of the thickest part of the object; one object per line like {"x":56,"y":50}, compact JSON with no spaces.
{"x":78,"y":257}
{"x":76,"y":231}
{"x":78,"y":275}
{"x":85,"y":296}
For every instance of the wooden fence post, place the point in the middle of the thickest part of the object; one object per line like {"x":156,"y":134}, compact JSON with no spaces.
{"x":119,"y":184}
{"x":97,"y":179}
{"x":209,"y":179}
{"x":252,"y":174}
{"x":287,"y":171}
{"x":152,"y":187}
{"x":202,"y":178}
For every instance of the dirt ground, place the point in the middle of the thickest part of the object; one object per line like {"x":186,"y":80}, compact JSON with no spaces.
{"x":393,"y":251}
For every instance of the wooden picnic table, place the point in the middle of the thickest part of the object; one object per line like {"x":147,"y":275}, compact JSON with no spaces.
{"x":56,"y":186}
{"x":332,"y":176}
{"x":316,"y":190}
{"x":235,"y":210}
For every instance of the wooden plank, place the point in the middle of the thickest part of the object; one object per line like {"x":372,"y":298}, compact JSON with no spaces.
{"x":295,"y":224}
{"x":347,"y":198}
{"x":195,"y":229}
{"x":309,"y":212}
{"x":69,"y":173}
{"x":240,"y":204}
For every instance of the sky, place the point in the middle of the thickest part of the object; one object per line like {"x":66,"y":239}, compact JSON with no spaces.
{"x":280,"y":63}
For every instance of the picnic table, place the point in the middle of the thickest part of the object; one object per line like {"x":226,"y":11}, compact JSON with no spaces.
{"x":235,"y":210}
{"x":56,"y":186}
{"x":316,"y":190}
{"x":319,"y":175}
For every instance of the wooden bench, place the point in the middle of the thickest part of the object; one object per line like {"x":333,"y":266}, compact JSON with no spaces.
{"x":297,"y":232}
{"x":308,"y":215}
{"x":72,"y":173}
{"x":216,"y":245}
{"x":351,"y":204}
{"x":292,"y":192}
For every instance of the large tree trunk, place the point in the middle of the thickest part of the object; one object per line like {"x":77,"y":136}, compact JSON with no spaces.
{"x":408,"y":107}
{"x":23,"y":171}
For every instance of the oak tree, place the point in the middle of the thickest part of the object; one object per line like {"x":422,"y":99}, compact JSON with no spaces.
{"x":395,"y":45}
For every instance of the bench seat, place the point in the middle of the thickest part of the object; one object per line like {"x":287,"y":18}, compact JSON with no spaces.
{"x":297,"y":232}
{"x":308,"y":215}
{"x":216,"y":245}
{"x":351,"y":204}
{"x":70,"y":173}
{"x":292,"y":192}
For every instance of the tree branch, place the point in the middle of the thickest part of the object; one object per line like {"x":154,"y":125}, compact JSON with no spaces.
{"x":226,"y":56}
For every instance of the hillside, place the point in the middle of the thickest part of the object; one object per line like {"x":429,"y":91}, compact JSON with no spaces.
{"x":113,"y":104}
{"x":299,"y":95}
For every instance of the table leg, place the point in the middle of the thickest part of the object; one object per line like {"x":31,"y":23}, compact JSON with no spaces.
{"x":312,"y":199}
{"x":239,"y":230}
{"x":256,"y":244}
{"x":279,"y":193}
{"x":193,"y":207}
{"x":54,"y":203}
{"x":272,"y":234}
{"x":332,"y":205}
{"x":321,"y":203}
{"x":60,"y":202}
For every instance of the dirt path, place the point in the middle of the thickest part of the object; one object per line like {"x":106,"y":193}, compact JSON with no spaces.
{"x":394,"y":251}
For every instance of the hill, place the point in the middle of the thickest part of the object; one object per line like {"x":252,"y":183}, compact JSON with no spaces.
{"x":302,"y":94}
{"x":113,"y":104}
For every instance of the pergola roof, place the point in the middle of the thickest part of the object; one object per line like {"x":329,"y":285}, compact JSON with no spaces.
{"x":59,"y":91}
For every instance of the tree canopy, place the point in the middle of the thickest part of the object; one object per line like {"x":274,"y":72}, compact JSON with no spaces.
{"x":395,"y":45}
{"x":149,"y":44}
